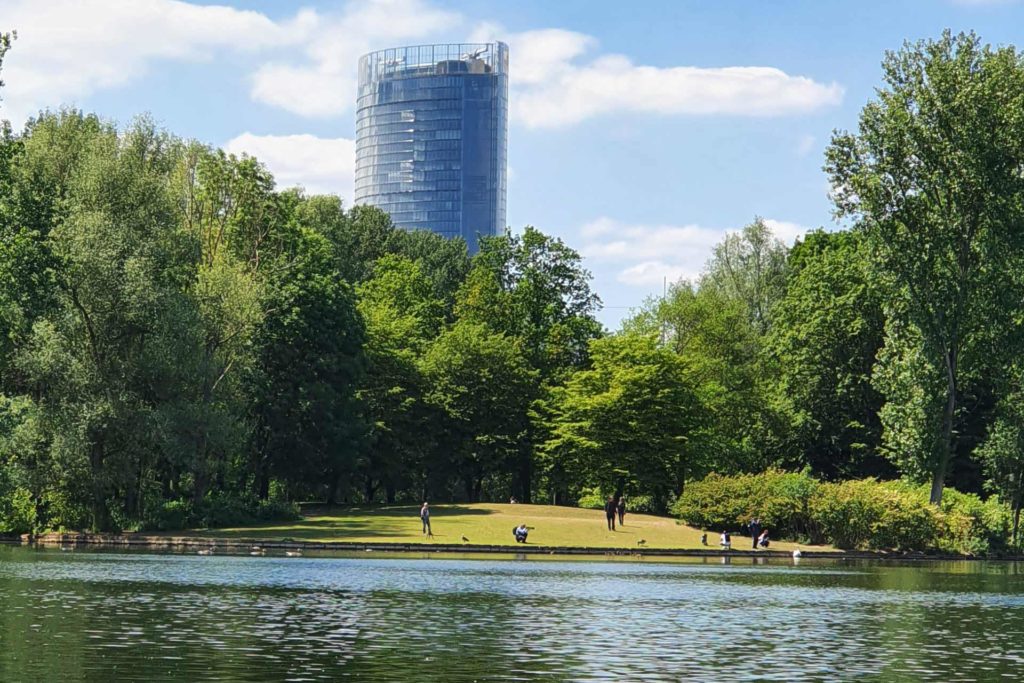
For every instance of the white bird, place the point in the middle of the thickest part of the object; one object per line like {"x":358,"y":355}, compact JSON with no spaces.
{"x":208,"y":551}
{"x":797,"y":554}
{"x":293,"y":553}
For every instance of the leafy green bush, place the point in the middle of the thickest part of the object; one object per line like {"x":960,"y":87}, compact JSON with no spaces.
{"x":592,"y":499}
{"x":17,"y":512}
{"x":971,"y":525}
{"x":277,"y":510}
{"x":863,"y":513}
{"x":717,"y":502}
{"x":219,"y":510}
{"x":779,"y":499}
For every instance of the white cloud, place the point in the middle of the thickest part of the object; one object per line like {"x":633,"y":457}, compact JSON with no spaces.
{"x":67,"y":49}
{"x":552,"y":87}
{"x":655,"y":273}
{"x":786,"y":231}
{"x":645,"y":254}
{"x":320,"y":165}
{"x":323,"y":82}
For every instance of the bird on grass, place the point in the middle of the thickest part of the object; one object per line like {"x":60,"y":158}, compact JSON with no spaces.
{"x":641,"y":542}
{"x":465,"y":540}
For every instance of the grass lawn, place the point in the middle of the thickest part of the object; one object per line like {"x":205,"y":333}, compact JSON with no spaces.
{"x":487,"y":524}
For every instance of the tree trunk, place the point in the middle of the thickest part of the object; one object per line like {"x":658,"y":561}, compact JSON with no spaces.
{"x":525,"y":475}
{"x":99,"y":498}
{"x":389,"y":493}
{"x":1016,"y":523}
{"x":369,"y":489}
{"x":946,"y":437}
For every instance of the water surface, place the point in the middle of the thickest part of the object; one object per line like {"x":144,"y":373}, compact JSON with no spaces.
{"x":86,"y":616}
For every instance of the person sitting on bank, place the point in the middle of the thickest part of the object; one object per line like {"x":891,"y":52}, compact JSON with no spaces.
{"x":763,"y":539}
{"x":726,"y":541}
{"x":521,"y":532}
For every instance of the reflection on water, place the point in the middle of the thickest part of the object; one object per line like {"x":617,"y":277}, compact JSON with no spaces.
{"x":99,"y":617}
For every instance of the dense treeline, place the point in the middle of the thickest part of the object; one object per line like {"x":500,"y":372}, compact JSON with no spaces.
{"x":181,"y":342}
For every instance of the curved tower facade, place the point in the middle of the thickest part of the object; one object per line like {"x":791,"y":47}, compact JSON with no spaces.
{"x":431,"y":136}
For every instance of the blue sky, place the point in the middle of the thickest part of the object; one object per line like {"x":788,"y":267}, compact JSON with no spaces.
{"x":641,"y":132}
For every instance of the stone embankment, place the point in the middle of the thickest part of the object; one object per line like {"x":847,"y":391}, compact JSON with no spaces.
{"x":244,"y":545}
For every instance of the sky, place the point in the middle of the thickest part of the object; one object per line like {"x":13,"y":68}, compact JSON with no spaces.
{"x":640,"y":132}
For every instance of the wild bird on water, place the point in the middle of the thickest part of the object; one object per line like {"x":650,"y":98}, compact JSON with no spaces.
{"x":293,"y":553}
{"x":205,"y":551}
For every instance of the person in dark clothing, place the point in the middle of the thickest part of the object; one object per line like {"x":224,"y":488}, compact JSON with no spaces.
{"x":755,"y":531}
{"x":609,"y":512}
{"x":621,"y":509}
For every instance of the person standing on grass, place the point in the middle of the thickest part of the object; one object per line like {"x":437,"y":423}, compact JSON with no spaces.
{"x":609,"y":512}
{"x":621,"y":509}
{"x":755,"y":531}
{"x":425,"y":518}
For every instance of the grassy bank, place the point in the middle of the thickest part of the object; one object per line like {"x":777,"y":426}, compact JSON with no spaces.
{"x":485,"y":524}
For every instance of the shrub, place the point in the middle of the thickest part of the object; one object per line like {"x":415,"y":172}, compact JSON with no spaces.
{"x":971,"y":525}
{"x":717,"y":502}
{"x":17,"y":512}
{"x":591,"y":499}
{"x":862,"y":513}
{"x":779,"y":499}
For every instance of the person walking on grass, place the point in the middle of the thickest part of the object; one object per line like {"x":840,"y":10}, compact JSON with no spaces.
{"x":425,"y":518}
{"x":609,"y":512}
{"x":621,"y":509}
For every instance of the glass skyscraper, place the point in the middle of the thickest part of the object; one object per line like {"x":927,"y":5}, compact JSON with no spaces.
{"x":431,"y":136}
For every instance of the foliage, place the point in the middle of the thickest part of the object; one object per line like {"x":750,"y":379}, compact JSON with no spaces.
{"x":823,"y":346}
{"x":624,"y":423}
{"x":859,"y":513}
{"x":933,"y":176}
{"x":779,"y":499}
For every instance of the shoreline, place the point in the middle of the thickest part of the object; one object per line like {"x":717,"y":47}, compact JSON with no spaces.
{"x":143,"y":541}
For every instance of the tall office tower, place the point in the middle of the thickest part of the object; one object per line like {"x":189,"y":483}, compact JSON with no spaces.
{"x":431,"y":137}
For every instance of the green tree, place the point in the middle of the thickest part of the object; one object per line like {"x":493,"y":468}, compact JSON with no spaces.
{"x":1002,"y":453}
{"x":933,"y":177}
{"x":402,"y":318}
{"x":482,"y":385}
{"x":718,"y":342}
{"x":532,"y":287}
{"x":749,"y":266}
{"x":625,"y":423}
{"x":827,"y":332}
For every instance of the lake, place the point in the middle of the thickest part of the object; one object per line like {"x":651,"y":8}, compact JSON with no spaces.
{"x":103,"y":616}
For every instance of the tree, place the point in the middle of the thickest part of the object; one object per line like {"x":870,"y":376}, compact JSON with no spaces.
{"x":1002,"y":454}
{"x":933,"y":176}
{"x":625,"y":423}
{"x":402,"y":318}
{"x":827,"y":331}
{"x":533,"y":288}
{"x":719,"y":344}
{"x":749,"y":266}
{"x":482,"y":385}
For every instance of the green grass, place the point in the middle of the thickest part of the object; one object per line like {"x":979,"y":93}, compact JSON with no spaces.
{"x":486,"y":524}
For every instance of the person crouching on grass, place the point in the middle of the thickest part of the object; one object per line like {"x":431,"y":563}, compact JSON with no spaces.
{"x":521,"y":532}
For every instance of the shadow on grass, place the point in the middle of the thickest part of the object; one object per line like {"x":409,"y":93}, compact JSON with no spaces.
{"x":400,"y":511}
{"x":350,"y":522}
